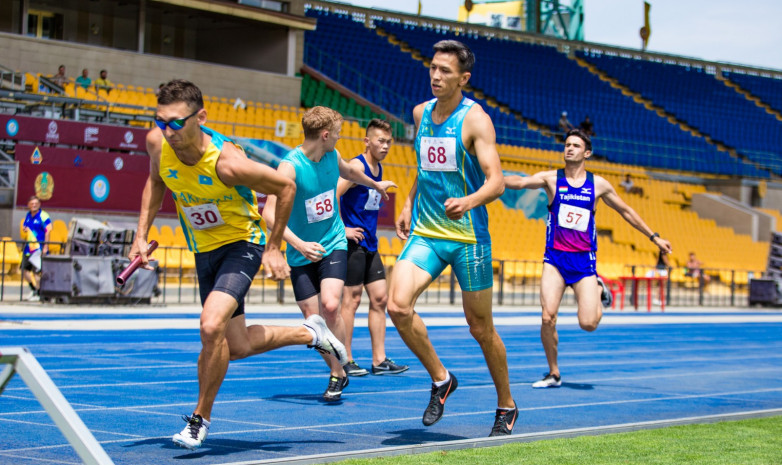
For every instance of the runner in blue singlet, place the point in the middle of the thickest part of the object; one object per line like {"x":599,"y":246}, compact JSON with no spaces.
{"x":571,"y":242}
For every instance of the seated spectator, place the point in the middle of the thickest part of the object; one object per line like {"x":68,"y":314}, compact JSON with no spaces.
{"x":587,"y":126}
{"x":84,"y":79}
{"x":103,"y":81}
{"x":60,"y":78}
{"x":629,"y":186}
{"x":564,"y":125}
{"x":695,"y":268}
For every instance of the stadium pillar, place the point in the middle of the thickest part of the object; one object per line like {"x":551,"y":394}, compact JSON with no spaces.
{"x":142,"y":21}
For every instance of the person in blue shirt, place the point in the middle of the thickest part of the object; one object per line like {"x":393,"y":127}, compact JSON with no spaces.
{"x":571,"y":242}
{"x":35,"y":231}
{"x":445,"y":222}
{"x":360,"y":206}
{"x":317,"y":247}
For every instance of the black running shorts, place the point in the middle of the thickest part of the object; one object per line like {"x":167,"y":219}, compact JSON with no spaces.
{"x":306,"y":279}
{"x":364,"y":267}
{"x":230,"y":269}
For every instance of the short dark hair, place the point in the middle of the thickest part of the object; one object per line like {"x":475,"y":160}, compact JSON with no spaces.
{"x":582,"y":135}
{"x":180,"y":90}
{"x":379,"y":124}
{"x":463,"y":53}
{"x":33,"y":197}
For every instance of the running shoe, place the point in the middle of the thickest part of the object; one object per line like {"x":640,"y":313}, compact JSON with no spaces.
{"x":194,"y":433}
{"x":504,"y":421}
{"x":549,"y":381}
{"x":434,"y":411}
{"x":388,"y":367}
{"x":606,"y":298}
{"x":325,"y":341}
{"x":334,"y":391}
{"x":352,"y":369}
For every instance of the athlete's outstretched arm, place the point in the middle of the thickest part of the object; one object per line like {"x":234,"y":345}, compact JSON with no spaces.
{"x":235,"y":169}
{"x":151,"y":197}
{"x":313,"y":251}
{"x":354,"y":173}
{"x":533,"y":181}
{"x":607,"y":192}
{"x":478,"y":132}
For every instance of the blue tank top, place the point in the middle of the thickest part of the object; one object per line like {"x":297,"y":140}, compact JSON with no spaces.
{"x":314,"y":216}
{"x":360,"y":205}
{"x":571,"y":216}
{"x":447,"y":170}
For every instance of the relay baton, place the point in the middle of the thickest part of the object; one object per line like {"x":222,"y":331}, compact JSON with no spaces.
{"x":125,"y":274}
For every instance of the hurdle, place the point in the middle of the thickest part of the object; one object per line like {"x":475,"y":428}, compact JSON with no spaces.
{"x":20,"y":360}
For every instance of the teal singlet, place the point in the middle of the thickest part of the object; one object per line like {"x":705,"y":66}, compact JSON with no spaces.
{"x":446,"y":170}
{"x":315,"y":216}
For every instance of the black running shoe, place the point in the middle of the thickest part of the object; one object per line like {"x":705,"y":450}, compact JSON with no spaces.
{"x":388,"y":367}
{"x":352,"y":369}
{"x":606,"y":298}
{"x":504,"y":421}
{"x":434,"y":411}
{"x":334,"y":391}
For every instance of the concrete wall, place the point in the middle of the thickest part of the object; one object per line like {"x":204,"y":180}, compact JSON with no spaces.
{"x":43,"y":56}
{"x":733,"y":214}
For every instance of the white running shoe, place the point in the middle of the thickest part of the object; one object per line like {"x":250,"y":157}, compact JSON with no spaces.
{"x":194,"y":433}
{"x":325,"y":341}
{"x":550,"y":381}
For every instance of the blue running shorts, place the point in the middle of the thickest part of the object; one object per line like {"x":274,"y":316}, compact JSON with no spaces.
{"x":471,"y":263}
{"x":573,"y":266}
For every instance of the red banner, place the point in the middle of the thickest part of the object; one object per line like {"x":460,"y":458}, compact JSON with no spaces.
{"x":65,"y":132}
{"x":83,"y":179}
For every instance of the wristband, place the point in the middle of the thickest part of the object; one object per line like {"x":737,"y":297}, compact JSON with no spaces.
{"x":651,"y":238}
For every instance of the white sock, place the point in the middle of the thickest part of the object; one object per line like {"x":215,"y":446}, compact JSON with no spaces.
{"x":314,"y":335}
{"x":447,"y":378}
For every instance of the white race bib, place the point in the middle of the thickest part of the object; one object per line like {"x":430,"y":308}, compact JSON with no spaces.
{"x":438,"y":153}
{"x":373,"y":200}
{"x":203,"y":216}
{"x":571,"y":217}
{"x":320,"y":207}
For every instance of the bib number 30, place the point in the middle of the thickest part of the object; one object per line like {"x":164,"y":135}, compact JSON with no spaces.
{"x":203,"y":216}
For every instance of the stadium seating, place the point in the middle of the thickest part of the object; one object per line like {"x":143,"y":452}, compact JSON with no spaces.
{"x":767,"y":88}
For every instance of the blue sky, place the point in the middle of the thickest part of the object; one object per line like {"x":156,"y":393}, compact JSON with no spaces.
{"x":716,"y":30}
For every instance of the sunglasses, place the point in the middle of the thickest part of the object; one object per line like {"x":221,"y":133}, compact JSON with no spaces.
{"x":175,"y":124}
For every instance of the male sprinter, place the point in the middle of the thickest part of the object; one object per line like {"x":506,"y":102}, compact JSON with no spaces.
{"x":359,"y":209}
{"x":445,"y":222}
{"x":571,"y":242}
{"x":317,"y":248}
{"x":214,"y":184}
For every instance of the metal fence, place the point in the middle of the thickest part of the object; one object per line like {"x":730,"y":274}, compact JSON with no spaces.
{"x":516,"y":283}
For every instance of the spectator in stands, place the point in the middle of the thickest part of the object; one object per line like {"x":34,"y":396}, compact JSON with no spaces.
{"x":103,"y":81}
{"x":60,"y":78}
{"x":629,"y":186}
{"x":662,"y":266}
{"x":695,"y":268}
{"x":587,"y":126}
{"x":84,"y":80}
{"x":36,"y":229}
{"x":571,"y":243}
{"x":564,"y":124}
